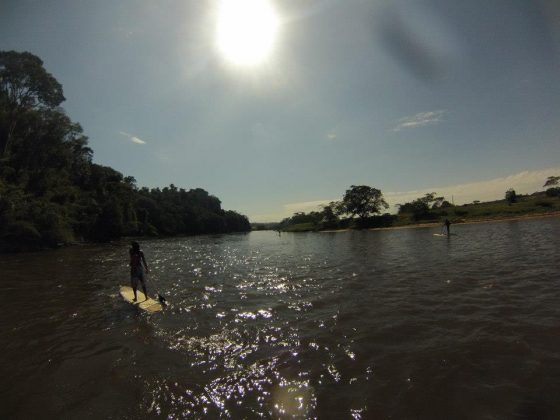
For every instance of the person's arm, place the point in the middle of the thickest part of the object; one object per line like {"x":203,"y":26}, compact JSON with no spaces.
{"x":144,"y":261}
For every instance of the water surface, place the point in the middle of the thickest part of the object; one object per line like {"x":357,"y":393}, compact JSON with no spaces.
{"x":366,"y":324}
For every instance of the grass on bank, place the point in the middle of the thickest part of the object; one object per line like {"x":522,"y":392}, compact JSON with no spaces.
{"x":526,"y":205}
{"x":302,"y":227}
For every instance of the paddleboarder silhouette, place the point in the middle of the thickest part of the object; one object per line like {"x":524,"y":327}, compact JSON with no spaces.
{"x":447,"y":223}
{"x":138,"y":269}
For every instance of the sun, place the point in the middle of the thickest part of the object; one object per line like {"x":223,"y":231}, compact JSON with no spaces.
{"x":246,"y":31}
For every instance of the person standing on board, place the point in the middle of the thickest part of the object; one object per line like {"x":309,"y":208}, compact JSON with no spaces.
{"x":137,"y":266}
{"x":447,"y":223}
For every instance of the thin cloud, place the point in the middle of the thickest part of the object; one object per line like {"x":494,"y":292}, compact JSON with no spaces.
{"x":306,"y":206}
{"x":421,"y":119}
{"x":132,"y":137}
{"x":524,"y":182}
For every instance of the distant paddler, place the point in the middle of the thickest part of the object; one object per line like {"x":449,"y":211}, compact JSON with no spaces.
{"x":137,"y":266}
{"x":447,"y":223}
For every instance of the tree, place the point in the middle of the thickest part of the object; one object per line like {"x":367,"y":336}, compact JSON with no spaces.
{"x":330,"y":214}
{"x":438,"y":202}
{"x":511,"y":196}
{"x":420,"y":208}
{"x":50,"y":191}
{"x":24,"y":85}
{"x":551,"y":181}
{"x":236,"y":222}
{"x":363,"y":201}
{"x":553,"y":192}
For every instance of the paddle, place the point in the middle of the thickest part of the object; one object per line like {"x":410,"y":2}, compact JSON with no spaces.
{"x":161,"y":299}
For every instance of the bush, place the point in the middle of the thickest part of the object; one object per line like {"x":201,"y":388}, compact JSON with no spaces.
{"x":109,"y":223}
{"x":553,"y":192}
{"x":20,"y":236}
{"x":544,"y":203}
{"x":212,"y":223}
{"x":385,"y":220}
{"x":301,"y":227}
{"x":511,"y":196}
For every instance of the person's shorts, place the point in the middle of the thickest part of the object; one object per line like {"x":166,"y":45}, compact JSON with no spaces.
{"x":136,"y":277}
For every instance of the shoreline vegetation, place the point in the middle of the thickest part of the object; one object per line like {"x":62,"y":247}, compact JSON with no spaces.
{"x":426,"y":212}
{"x":466,"y":222}
{"x":474,"y":221}
{"x":51,"y":192}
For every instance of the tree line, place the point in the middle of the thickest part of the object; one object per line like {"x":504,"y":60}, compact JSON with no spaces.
{"x":361,"y":207}
{"x":358,"y":208}
{"x":52,"y":193}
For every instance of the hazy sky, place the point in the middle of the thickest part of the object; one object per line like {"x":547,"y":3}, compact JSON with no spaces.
{"x":457,"y":97}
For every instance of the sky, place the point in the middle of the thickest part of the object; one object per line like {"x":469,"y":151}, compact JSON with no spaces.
{"x":408,"y":96}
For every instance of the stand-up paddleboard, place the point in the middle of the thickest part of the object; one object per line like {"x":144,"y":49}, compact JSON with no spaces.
{"x":444,"y":234}
{"x":149,"y":305}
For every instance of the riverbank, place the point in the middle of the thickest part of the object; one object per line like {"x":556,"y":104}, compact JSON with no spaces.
{"x":532,"y":206}
{"x":461,"y":222}
{"x":475,"y":221}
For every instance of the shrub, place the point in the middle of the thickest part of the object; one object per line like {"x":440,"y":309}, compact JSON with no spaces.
{"x":553,"y":192}
{"x":385,"y":220}
{"x":544,"y":203}
{"x":20,"y":236}
{"x":511,"y":196}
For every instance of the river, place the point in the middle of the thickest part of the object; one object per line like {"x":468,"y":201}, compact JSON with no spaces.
{"x":391,"y":324}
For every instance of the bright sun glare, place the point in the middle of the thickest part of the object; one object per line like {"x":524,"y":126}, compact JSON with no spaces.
{"x":246,"y":30}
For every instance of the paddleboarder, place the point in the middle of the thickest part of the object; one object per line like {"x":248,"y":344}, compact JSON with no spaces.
{"x":447,"y":223}
{"x":138,"y":269}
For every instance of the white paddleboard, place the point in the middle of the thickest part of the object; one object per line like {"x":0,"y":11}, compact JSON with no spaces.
{"x":149,"y":305}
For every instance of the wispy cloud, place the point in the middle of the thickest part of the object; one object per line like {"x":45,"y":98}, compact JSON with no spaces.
{"x":306,"y":206}
{"x":525,"y":182}
{"x":421,"y":119}
{"x":288,"y":210}
{"x":132,"y":137}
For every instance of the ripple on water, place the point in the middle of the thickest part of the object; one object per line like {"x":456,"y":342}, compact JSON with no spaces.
{"x":390,"y":324}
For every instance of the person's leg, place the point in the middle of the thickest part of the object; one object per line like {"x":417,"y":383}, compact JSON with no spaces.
{"x":134,"y":284}
{"x":143,"y":281}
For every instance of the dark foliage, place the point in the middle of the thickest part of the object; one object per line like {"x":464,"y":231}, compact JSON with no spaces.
{"x":423,"y":208}
{"x":385,"y":220}
{"x":511,"y":196}
{"x":50,"y":191}
{"x":363,"y":201}
{"x":553,"y":192}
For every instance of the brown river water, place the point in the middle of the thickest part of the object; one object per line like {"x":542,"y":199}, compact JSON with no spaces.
{"x":366,"y":324}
